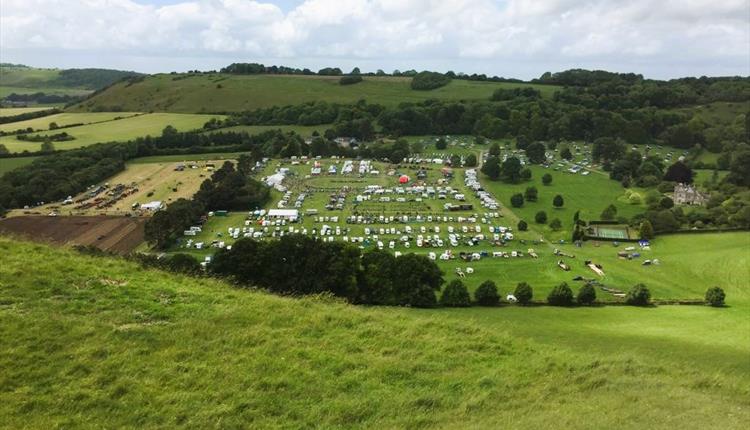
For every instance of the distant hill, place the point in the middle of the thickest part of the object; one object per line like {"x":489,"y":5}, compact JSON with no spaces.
{"x":25,"y":80}
{"x":215,"y":93}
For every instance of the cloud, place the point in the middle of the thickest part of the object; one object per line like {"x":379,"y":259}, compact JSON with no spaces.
{"x":467,"y":33}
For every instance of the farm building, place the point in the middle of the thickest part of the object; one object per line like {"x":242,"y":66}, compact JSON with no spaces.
{"x":687,"y":195}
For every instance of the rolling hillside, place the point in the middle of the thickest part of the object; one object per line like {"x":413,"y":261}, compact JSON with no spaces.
{"x":231,"y":93}
{"x":105,"y":341}
{"x":21,"y":79}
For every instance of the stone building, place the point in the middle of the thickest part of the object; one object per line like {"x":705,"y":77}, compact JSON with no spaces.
{"x":687,"y":195}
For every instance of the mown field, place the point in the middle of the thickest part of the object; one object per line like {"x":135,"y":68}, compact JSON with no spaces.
{"x":123,"y":129}
{"x":105,"y":341}
{"x":65,"y":119}
{"x":19,"y":111}
{"x":154,"y":182}
{"x":231,"y":93}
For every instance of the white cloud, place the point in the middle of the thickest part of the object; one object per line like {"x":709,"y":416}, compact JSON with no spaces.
{"x":470,"y":35}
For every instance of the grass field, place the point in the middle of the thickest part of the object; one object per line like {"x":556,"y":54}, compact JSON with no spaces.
{"x":590,"y":194}
{"x":302,"y":130}
{"x":28,"y":77}
{"x":717,"y":112}
{"x":231,"y":93}
{"x":119,"y":130}
{"x":19,"y":111}
{"x":8,"y":164}
{"x":8,"y":90}
{"x":64,"y":119}
{"x":219,"y":156}
{"x":105,"y":341}
{"x":155,"y":181}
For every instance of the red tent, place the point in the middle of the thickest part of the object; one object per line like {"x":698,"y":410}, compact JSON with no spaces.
{"x":403,"y":179}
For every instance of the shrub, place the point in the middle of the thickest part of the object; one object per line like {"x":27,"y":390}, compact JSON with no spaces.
{"x":547,"y":179}
{"x":349,"y":80}
{"x":455,"y":295}
{"x":561,"y":295}
{"x":639,"y":295}
{"x":558,"y":201}
{"x":516,"y":200}
{"x":523,"y":293}
{"x":609,"y":213}
{"x":526,"y":174}
{"x":715,"y":296}
{"x":183,"y":263}
{"x":486,"y":294}
{"x":441,"y":144}
{"x":634,"y":199}
{"x":471,"y":160}
{"x":647,"y":230}
{"x":586,"y":295}
{"x":531,"y":194}
{"x":541,"y":217}
{"x":429,"y":81}
{"x":523,"y":225}
{"x":555,"y":224}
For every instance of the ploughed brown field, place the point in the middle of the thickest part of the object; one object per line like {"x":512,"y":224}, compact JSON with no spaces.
{"x":108,"y":233}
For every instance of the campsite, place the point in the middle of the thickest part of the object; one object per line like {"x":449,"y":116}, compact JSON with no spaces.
{"x":429,"y":215}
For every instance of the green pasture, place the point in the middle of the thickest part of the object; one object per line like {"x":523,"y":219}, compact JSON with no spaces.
{"x":8,"y":164}
{"x":65,"y":119}
{"x":6,"y":90}
{"x":589,"y":194}
{"x":115,"y":130}
{"x":232,"y":93}
{"x":19,"y":111}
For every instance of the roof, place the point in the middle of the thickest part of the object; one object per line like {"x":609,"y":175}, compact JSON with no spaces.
{"x":284,"y":213}
{"x":152,"y":205}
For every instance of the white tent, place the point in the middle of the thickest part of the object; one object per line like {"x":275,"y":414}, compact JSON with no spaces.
{"x":152,"y":206}
{"x":290,"y":214}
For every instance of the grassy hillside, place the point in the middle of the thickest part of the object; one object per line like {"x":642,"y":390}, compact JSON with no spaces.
{"x":30,"y":77}
{"x":103,"y":342}
{"x":127,"y":128}
{"x":220,"y":93}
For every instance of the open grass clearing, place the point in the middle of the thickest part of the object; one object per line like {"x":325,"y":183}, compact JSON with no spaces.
{"x":20,"y":110}
{"x":6,"y":90}
{"x":8,"y":164}
{"x":65,"y":119}
{"x":117,"y":130}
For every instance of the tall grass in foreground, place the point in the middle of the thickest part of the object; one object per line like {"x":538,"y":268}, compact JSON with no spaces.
{"x":98,"y":342}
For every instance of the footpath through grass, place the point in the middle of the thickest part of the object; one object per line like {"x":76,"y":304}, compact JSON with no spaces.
{"x":91,"y":342}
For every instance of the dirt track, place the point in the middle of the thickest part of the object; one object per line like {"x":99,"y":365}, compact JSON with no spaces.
{"x":115,"y":234}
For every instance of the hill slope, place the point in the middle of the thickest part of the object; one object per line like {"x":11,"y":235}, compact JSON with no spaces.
{"x":30,"y":77}
{"x":88,"y":342}
{"x":231,"y":93}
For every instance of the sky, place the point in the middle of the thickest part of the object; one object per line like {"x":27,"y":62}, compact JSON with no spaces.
{"x":511,"y":38}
